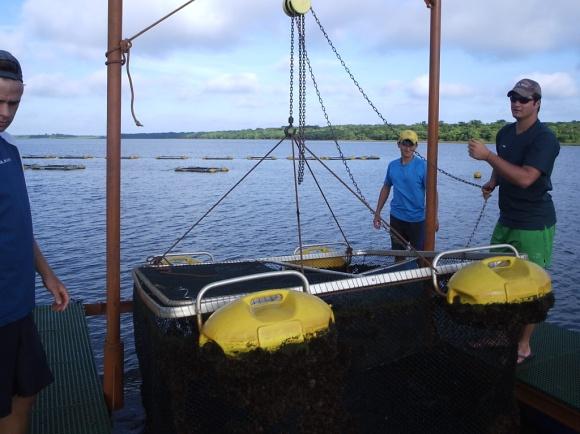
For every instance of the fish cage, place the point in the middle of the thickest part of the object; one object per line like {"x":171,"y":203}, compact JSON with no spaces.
{"x":395,"y":358}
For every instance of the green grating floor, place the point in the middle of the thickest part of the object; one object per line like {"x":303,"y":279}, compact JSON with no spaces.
{"x":555,"y":368}
{"x":74,"y":403}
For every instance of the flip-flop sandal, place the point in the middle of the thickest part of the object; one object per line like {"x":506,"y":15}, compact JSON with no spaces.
{"x":522,"y":358}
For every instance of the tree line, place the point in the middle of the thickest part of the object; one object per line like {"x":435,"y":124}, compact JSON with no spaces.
{"x":566,"y":132}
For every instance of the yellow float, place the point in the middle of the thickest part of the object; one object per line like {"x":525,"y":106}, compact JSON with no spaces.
{"x":267,"y":320}
{"x":499,"y":279}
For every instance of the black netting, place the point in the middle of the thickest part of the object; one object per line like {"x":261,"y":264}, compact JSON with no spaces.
{"x":398,"y":360}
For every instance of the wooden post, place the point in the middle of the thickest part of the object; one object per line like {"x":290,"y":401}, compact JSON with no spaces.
{"x":433,"y":125}
{"x":113,"y":351}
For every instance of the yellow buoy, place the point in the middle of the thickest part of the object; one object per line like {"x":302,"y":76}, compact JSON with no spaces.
{"x":337,"y":261}
{"x":267,"y":320}
{"x":500,"y":279}
{"x":477,"y":175}
{"x":181,"y":260}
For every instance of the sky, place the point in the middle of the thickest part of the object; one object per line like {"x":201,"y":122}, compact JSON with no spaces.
{"x":225,"y":64}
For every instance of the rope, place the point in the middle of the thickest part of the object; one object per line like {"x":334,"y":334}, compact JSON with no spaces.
{"x":128,"y":51}
{"x":125,"y":48}
{"x":136,"y":35}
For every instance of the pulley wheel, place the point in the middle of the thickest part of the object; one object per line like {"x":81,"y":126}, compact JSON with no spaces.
{"x":293,"y":8}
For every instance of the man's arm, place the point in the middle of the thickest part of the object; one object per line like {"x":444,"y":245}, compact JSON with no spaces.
{"x":383,"y":196}
{"x":51,"y":282}
{"x":521,"y":176}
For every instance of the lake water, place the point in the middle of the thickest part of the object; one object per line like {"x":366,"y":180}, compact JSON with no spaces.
{"x":257,"y":219}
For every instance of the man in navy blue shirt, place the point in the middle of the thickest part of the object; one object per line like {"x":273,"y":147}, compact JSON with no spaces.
{"x":522,"y":166}
{"x":23,"y":367}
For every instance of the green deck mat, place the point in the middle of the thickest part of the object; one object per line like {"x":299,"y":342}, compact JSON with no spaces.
{"x":555,"y":367}
{"x":74,"y":403}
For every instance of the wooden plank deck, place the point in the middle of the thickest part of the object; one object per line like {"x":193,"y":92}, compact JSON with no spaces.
{"x":74,"y":403}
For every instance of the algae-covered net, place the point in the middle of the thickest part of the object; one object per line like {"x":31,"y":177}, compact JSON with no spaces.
{"x":397,"y":359}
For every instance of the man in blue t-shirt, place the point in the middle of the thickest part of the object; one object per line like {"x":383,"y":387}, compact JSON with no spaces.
{"x":23,"y":367}
{"x":522,"y":165}
{"x":406,"y":176}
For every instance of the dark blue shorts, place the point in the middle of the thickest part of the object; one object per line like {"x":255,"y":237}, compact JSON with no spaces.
{"x":24,"y":370}
{"x":413,"y":232}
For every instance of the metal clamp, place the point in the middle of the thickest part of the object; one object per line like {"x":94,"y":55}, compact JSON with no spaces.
{"x":213,"y":285}
{"x":465,"y":250}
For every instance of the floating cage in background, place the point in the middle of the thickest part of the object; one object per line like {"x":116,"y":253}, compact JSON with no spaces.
{"x":398,"y":359}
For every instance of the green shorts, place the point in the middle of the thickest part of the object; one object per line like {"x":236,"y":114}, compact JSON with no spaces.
{"x":537,"y":244}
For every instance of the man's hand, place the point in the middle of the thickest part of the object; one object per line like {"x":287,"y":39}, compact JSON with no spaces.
{"x":377,"y":221}
{"x":58,"y":291}
{"x":478,"y":150}
{"x":488,"y":188}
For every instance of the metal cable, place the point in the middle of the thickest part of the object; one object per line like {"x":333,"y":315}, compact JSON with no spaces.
{"x":327,"y":203}
{"x":220,"y":200}
{"x":394,"y":232}
{"x":298,"y":223}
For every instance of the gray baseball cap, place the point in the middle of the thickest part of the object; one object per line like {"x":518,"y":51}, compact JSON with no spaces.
{"x":527,"y":88}
{"x":9,"y":66}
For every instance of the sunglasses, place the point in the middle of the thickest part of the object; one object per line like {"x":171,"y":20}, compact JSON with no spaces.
{"x":407,"y":143}
{"x":520,"y":99}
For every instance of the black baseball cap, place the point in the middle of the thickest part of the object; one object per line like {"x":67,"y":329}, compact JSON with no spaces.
{"x":9,"y":66}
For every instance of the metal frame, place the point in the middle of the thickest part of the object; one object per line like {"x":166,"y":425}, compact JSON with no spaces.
{"x":154,"y":299}
{"x":213,"y":285}
{"x":465,"y":250}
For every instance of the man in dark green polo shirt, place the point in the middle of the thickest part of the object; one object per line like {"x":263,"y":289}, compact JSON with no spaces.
{"x":522,"y":166}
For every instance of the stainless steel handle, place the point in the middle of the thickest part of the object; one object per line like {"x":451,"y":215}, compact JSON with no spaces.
{"x":213,"y":285}
{"x":465,"y":250}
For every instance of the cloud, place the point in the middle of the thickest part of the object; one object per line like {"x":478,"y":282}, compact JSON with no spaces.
{"x":419,"y":87}
{"x":554,"y":85}
{"x":511,"y":27}
{"x":234,"y":54}
{"x":232,"y":83}
{"x":62,"y":86}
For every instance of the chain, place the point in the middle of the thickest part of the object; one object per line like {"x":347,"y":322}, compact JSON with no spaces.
{"x":386,"y":123}
{"x":301,"y":97}
{"x":444,"y":172}
{"x":477,"y":223}
{"x":363,"y":93}
{"x":350,"y":74}
{"x":290,"y":118}
{"x":322,"y":106}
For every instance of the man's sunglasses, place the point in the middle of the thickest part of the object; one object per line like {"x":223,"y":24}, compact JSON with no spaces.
{"x":520,"y":99}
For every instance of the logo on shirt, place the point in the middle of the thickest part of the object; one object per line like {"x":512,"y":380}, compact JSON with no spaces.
{"x":5,"y":160}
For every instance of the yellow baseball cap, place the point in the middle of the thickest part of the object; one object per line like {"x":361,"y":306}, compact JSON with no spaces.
{"x":409,"y":135}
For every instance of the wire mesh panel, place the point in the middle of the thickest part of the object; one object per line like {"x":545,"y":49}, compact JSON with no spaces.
{"x":397,"y":360}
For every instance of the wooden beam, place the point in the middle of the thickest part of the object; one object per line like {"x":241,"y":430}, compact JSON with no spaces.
{"x":549,"y":406}
{"x":92,"y":309}
{"x":113,"y":352}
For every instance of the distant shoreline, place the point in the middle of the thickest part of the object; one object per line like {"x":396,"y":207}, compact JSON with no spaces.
{"x":315,"y":140}
{"x":567,"y":133}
